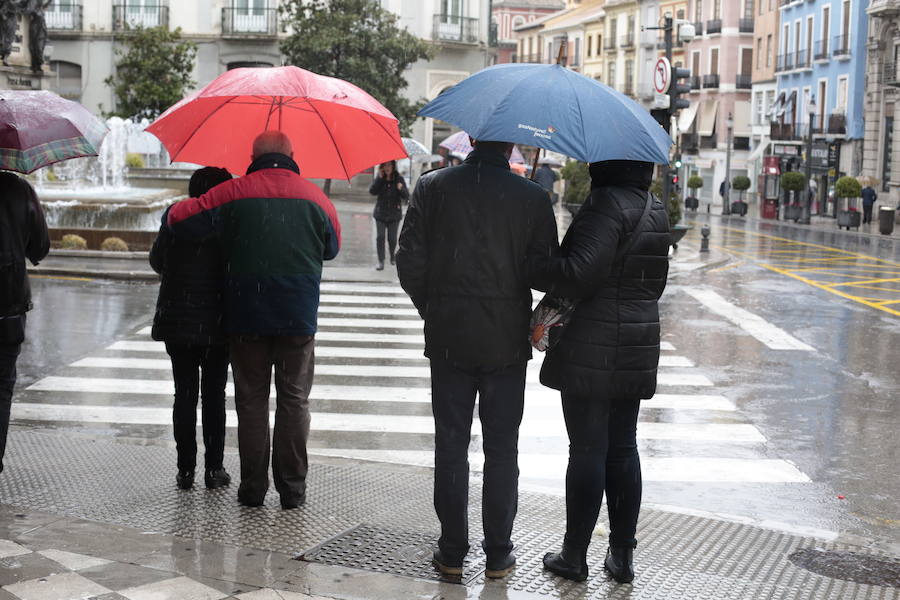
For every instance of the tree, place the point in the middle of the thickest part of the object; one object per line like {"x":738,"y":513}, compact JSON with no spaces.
{"x":578,"y":182}
{"x":153,"y":72}
{"x":694,"y":182}
{"x":358,"y":41}
{"x":848,"y":187}
{"x":740,"y":183}
{"x":792,"y":182}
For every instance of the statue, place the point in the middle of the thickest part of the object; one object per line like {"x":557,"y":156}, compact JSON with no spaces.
{"x":37,"y":31}
{"x":9,"y":17}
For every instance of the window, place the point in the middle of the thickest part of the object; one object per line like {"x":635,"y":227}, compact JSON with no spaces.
{"x":787,"y":38}
{"x":576,"y":59}
{"x":713,"y":61}
{"x":65,"y":79}
{"x":841,"y":104}
{"x":612,"y":30}
{"x":821,"y":99}
{"x":518,"y":21}
{"x":758,"y":108}
{"x":845,"y":24}
{"x":695,"y":64}
{"x":698,"y":11}
{"x":809,"y":37}
{"x":769,"y":51}
{"x":611,"y":74}
{"x":629,"y":76}
{"x":770,"y":100}
{"x":680,"y":14}
{"x":746,"y":61}
{"x":758,"y":52}
{"x":759,"y":7}
{"x":449,"y":8}
{"x":590,"y":45}
{"x":717,"y":9}
{"x":748,"y":9}
{"x":826,"y":29}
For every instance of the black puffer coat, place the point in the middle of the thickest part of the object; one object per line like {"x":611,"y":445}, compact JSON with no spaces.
{"x":387,"y":206}
{"x":190,"y":306}
{"x":23,"y":234}
{"x":611,"y":346}
{"x":472,"y":239}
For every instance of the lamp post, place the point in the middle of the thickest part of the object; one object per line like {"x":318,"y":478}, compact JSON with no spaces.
{"x":807,"y":208}
{"x":726,"y":197}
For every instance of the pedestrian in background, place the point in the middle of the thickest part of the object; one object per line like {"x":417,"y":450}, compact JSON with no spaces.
{"x":390,"y":189}
{"x":546,"y":177}
{"x":271,"y":305}
{"x":614,"y":262}
{"x":23,"y":234}
{"x":472,"y":236}
{"x":189,"y":319}
{"x":869,"y":197}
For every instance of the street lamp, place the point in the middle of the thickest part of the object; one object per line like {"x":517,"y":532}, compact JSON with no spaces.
{"x":807,"y":205}
{"x":726,"y":197}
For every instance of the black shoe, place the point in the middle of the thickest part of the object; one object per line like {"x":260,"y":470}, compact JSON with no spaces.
{"x":248,"y":500}
{"x":185,"y":479}
{"x":619,"y":563}
{"x":567,"y":563}
{"x":393,"y":260}
{"x":216,"y":478}
{"x":291,"y":503}
{"x":497,"y":569}
{"x":380,"y":266}
{"x":453,"y":568}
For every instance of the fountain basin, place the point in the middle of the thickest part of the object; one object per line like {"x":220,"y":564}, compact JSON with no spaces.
{"x":124,"y":208}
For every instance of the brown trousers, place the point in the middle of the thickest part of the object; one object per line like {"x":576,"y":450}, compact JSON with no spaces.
{"x":252,"y":359}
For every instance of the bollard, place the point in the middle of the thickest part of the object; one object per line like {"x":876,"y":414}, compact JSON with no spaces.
{"x":704,"y":243}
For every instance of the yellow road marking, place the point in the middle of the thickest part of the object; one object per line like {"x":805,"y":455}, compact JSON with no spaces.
{"x":60,"y":277}
{"x":725,"y":268}
{"x":855,"y":283}
{"x":812,"y":245}
{"x":834,"y":291}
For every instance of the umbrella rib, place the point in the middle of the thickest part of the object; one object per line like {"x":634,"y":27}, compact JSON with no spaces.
{"x":580,"y":116}
{"x":202,"y":123}
{"x":333,"y":142}
{"x":402,"y":147}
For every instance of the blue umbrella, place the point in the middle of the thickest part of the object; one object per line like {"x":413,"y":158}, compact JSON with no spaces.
{"x":554,"y":108}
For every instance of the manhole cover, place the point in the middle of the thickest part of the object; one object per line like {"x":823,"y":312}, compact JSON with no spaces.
{"x":406,"y":553}
{"x":849,"y":566}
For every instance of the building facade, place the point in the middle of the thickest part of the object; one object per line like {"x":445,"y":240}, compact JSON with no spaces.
{"x":511,"y":14}
{"x":764,"y":84}
{"x":881,"y":152}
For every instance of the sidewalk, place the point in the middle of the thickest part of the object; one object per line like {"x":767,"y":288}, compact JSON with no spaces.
{"x":103,"y":518}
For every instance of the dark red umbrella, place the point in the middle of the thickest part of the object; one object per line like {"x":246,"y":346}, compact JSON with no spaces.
{"x":336,"y":128}
{"x":40,"y":128}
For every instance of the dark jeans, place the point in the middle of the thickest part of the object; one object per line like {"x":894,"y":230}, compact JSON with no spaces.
{"x":9,"y":353}
{"x":252,"y":359}
{"x":603,"y":454}
{"x":203,"y":371}
{"x":501,"y":394}
{"x":867,"y":212}
{"x":380,"y":228}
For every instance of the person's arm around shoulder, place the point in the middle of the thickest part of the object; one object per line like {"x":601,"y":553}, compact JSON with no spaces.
{"x":38,"y":245}
{"x":161,"y":244}
{"x":412,"y":254}
{"x":332,"y":226}
{"x":543,"y":244}
{"x":196,"y":218}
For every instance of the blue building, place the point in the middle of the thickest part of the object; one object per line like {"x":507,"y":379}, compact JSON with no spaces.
{"x":821,"y":58}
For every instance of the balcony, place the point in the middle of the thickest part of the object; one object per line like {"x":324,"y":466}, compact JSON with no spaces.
{"x":626,"y":41}
{"x":784,"y":132}
{"x":145,"y":16}
{"x":691,"y":143}
{"x":802,"y":59}
{"x":714,"y":26}
{"x":708,"y":142}
{"x":841,"y":46}
{"x":455,"y":29}
{"x":698,"y":28}
{"x":821,"y":52}
{"x":837,"y":124}
{"x":64,"y":16}
{"x":711,"y":81}
{"x":743,"y":82}
{"x":745,"y":25}
{"x":695,"y":82}
{"x":256,"y":22}
{"x":528,"y":58}
{"x":784,"y":62}
{"x":892,"y":74}
{"x":609,"y":43}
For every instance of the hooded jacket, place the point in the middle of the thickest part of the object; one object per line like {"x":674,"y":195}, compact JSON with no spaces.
{"x":23,"y":234}
{"x":276,"y":228}
{"x":388,"y":204}
{"x":611,"y":345}
{"x":472,"y":238}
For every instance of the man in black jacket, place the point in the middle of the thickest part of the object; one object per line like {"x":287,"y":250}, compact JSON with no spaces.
{"x":473,"y":237}
{"x":23,"y":234}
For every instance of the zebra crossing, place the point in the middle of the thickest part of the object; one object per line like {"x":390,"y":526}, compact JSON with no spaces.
{"x":371,"y":400}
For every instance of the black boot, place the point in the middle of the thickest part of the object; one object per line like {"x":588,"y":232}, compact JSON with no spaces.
{"x":568,"y":563}
{"x":619,"y":563}
{"x":185,"y":479}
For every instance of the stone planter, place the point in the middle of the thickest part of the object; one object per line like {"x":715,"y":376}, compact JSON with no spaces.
{"x":692,"y":203}
{"x":678,"y":232}
{"x":848,"y":219}
{"x":792,"y":212}
{"x":739,"y":208}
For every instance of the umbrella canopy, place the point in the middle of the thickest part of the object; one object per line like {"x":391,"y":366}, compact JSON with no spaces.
{"x":459,"y":144}
{"x":336,"y":128}
{"x":40,"y":128}
{"x":554,"y":108}
{"x":415,"y":148}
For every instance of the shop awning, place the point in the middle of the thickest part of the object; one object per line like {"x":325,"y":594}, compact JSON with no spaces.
{"x":707,"y":123}
{"x":686,"y":117}
{"x":759,"y":150}
{"x":742,"y":127}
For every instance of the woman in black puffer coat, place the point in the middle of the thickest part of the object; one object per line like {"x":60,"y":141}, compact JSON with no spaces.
{"x":606,"y":360}
{"x":390,"y":187}
{"x":189,"y":319}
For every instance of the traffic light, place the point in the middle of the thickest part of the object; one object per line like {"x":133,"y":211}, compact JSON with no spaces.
{"x":677,"y":162}
{"x":677,"y":89}
{"x":673,"y":177}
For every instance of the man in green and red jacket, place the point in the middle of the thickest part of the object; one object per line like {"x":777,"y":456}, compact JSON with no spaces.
{"x":275,"y":228}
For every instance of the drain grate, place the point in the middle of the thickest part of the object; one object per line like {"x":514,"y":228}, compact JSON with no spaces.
{"x":406,"y":553}
{"x":849,"y":566}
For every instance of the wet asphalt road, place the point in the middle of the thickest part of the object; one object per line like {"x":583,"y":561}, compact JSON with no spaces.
{"x":833,"y":411}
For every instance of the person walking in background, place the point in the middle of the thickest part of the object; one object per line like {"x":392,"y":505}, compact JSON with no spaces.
{"x":614,"y":263}
{"x":390,"y":188}
{"x":869,"y":197}
{"x":546,"y":177}
{"x":23,"y":235}
{"x":189,"y":319}
{"x":276,"y":229}
{"x":472,"y":236}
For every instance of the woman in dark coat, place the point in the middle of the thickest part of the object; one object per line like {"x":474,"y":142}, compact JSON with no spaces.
{"x":189,"y":320}
{"x":391,"y":190}
{"x":606,"y":360}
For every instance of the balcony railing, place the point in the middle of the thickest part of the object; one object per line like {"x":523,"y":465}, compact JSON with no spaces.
{"x":802,"y":59}
{"x":528,"y":58}
{"x":784,"y":132}
{"x":784,"y":62}
{"x":696,"y":82}
{"x":841,"y":46}
{"x":64,"y":16}
{"x":711,"y":81}
{"x":745,"y":25}
{"x":690,"y":142}
{"x":837,"y":124}
{"x":714,"y":26}
{"x":743,"y":82}
{"x":609,"y":43}
{"x":455,"y":29}
{"x":628,"y":89}
{"x":146,"y":16}
{"x":892,"y":74}
{"x":249,"y":21}
{"x":626,"y":41}
{"x":821,"y":52}
{"x":698,"y":28}
{"x":708,"y":141}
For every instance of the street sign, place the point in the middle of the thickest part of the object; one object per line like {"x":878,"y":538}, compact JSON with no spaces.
{"x":662,"y":75}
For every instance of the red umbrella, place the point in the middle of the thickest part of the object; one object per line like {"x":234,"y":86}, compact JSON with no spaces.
{"x":336,"y":128}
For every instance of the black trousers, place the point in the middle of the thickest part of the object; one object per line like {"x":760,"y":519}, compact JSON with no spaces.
{"x":501,"y":396}
{"x":867,"y":212}
{"x":203,"y":371}
{"x":603,"y":455}
{"x":382,"y":227}
{"x":9,"y":354}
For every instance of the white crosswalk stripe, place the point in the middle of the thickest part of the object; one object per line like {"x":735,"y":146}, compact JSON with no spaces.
{"x":373,"y":385}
